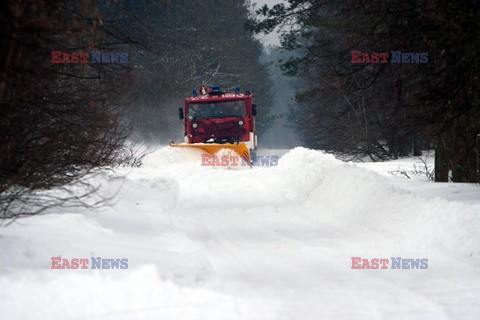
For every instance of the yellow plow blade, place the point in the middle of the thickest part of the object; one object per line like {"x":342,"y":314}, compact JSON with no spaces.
{"x":241,"y":149}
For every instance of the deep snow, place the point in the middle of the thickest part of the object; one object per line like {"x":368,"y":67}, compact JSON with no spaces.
{"x":261,"y":243}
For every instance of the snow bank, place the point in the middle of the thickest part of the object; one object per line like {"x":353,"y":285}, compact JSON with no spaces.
{"x":261,"y":243}
{"x":139,"y":294}
{"x":355,"y":195}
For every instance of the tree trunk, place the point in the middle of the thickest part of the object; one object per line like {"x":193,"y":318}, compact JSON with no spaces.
{"x":441,"y":161}
{"x":417,"y":147}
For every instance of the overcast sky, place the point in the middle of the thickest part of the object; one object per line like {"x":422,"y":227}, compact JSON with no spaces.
{"x":273,"y":37}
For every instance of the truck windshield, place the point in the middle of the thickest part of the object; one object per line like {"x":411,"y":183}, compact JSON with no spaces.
{"x":218,"y":109}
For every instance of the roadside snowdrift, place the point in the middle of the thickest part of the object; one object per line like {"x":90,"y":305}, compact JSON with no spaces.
{"x":261,"y":243}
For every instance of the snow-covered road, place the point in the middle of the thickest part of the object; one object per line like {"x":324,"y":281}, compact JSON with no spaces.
{"x":261,"y":243}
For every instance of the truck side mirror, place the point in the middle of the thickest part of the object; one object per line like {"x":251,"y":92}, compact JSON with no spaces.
{"x":180,"y":113}
{"x":254,"y":110}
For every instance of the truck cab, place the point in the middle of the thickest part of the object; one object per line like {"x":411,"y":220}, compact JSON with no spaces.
{"x":219,"y":117}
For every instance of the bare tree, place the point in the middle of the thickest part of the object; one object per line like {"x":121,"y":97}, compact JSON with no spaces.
{"x":58,"y":122}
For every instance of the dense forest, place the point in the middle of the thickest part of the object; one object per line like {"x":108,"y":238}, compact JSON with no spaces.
{"x":385,"y":110}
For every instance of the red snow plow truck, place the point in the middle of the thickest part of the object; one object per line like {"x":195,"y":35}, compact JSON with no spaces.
{"x":216,"y":120}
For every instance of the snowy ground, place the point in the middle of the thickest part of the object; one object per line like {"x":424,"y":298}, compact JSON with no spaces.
{"x":261,"y":243}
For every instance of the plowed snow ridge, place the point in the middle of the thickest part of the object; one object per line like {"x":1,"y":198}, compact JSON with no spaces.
{"x":261,"y":243}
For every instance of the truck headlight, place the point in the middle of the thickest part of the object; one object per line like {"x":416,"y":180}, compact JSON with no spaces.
{"x":240,"y":122}
{"x":190,"y":116}
{"x":194,"y":126}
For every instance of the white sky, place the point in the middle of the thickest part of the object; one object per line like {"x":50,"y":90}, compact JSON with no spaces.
{"x":272,"y":38}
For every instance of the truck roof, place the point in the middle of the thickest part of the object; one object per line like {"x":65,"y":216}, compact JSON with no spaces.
{"x":223,"y":97}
